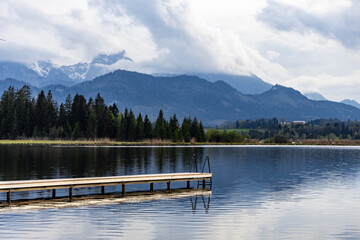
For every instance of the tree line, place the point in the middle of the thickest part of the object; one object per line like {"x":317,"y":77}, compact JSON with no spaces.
{"x":24,"y":116}
{"x":273,"y":129}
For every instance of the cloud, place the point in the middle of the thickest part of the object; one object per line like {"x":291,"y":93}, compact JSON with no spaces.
{"x":341,"y":23}
{"x":272,"y":55}
{"x":187,"y":43}
{"x":336,"y":88}
{"x":286,"y":42}
{"x":68,"y":32}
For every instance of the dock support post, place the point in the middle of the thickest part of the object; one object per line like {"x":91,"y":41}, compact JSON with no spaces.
{"x":123,"y":189}
{"x":168,"y":185}
{"x":102,"y":190}
{"x":9,"y":197}
{"x":151,"y":187}
{"x":188,"y":184}
{"x":204,"y":183}
{"x":54,"y":193}
{"x":71,"y":193}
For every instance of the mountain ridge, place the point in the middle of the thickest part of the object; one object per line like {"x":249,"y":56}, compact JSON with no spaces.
{"x":351,"y":103}
{"x":211,"y":102}
{"x":41,"y":73}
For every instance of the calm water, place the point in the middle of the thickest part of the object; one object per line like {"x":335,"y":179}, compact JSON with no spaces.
{"x":257,"y":192}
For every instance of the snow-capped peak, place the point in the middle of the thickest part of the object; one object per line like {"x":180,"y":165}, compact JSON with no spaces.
{"x":77,"y":71}
{"x":41,"y":67}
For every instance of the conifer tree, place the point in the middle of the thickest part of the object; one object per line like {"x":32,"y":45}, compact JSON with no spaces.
{"x":201,"y":133}
{"x":123,"y":126}
{"x":174,"y":128}
{"x":68,"y":107}
{"x":185,"y":127}
{"x":132,"y":126}
{"x":119,"y":122}
{"x":92,"y":125}
{"x":100,"y":110}
{"x":194,"y":129}
{"x":51,"y":112}
{"x":140,"y":135}
{"x":147,"y":128}
{"x":62,"y":116}
{"x":40,"y":113}
{"x":160,"y":126}
{"x":7,"y":111}
{"x":79,"y":113}
{"x":14,"y":126}
{"x":114,"y":109}
{"x":76,"y":133}
{"x":110,"y":125}
{"x":22,"y":103}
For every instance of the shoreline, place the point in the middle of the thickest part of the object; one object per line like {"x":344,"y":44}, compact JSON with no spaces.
{"x":106,"y":142}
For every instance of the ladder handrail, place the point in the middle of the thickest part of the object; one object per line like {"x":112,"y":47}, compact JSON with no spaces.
{"x":207,"y":159}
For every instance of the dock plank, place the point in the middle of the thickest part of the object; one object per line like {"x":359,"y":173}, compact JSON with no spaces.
{"x":28,"y":185}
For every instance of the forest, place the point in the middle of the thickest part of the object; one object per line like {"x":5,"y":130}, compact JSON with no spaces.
{"x":282,"y":131}
{"x":23,"y":116}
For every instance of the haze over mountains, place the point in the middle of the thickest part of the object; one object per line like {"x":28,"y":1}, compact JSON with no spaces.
{"x":211,"y":102}
{"x":315,"y":96}
{"x":351,"y":103}
{"x":213,"y":98}
{"x":43,"y":73}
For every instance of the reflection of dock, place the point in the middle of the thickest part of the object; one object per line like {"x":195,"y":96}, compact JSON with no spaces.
{"x":53,"y":184}
{"x":96,"y":200}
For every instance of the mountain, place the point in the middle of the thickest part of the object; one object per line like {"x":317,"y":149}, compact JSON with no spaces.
{"x":77,"y":71}
{"x":211,"y":102}
{"x":100,"y":65}
{"x":43,"y":73}
{"x":19,"y":71}
{"x":292,"y":105}
{"x":315,"y":96}
{"x":41,"y":67}
{"x":351,"y":103}
{"x":56,"y":76}
{"x":38,"y":75}
{"x":4,"y":85}
{"x":244,"y":84}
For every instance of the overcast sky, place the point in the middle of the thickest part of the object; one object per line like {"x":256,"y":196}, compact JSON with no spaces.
{"x":311,"y":45}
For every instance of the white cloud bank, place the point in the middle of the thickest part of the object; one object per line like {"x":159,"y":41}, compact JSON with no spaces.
{"x":309,"y":45}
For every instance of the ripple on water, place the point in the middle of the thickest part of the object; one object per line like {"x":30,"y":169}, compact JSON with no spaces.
{"x":257,"y":193}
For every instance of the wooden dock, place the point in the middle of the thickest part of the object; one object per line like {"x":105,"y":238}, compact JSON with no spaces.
{"x":71,"y":183}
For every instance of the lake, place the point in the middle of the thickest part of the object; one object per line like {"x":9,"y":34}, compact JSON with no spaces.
{"x":258,"y":192}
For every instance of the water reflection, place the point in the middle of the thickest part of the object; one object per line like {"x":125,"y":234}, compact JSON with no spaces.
{"x":205,"y":201}
{"x":257,"y":192}
{"x":41,"y":204}
{"x":41,"y":162}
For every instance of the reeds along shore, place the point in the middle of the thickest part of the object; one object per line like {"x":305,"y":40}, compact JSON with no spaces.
{"x":159,"y":142}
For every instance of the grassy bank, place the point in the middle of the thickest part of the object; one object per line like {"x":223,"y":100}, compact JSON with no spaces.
{"x":107,"y":142}
{"x":99,"y":142}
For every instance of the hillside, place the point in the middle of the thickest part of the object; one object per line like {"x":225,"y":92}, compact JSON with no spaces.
{"x":244,"y":84}
{"x":210,"y":102}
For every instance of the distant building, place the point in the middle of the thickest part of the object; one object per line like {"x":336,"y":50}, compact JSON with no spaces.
{"x":299,"y":122}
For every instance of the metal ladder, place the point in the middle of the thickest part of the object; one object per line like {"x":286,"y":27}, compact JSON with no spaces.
{"x":202,"y":183}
